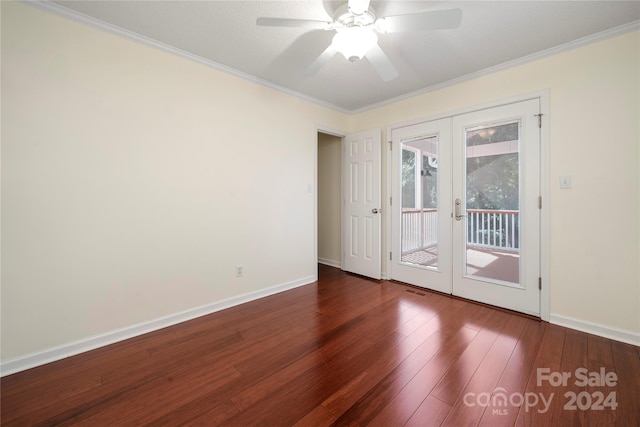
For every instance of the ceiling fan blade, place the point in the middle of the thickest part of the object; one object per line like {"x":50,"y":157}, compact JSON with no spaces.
{"x":293,"y":23}
{"x":422,"y":21}
{"x":358,"y":7}
{"x":320,"y":61}
{"x":381,"y":63}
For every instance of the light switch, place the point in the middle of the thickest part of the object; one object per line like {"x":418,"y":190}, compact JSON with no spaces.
{"x":565,"y":182}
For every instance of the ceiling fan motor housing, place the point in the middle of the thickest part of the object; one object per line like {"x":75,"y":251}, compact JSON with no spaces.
{"x":347,"y":19}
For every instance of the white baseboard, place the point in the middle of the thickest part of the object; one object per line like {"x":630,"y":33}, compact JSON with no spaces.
{"x":629,"y":337}
{"x":51,"y":355}
{"x":330,"y":262}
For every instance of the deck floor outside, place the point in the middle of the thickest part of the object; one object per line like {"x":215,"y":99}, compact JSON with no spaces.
{"x":493,"y":263}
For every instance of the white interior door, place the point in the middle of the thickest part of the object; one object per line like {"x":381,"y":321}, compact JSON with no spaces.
{"x":361,"y":223}
{"x":465,"y":217}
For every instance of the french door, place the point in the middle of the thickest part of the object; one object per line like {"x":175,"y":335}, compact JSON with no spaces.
{"x":465,"y":205}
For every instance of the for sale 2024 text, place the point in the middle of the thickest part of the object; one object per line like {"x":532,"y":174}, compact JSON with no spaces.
{"x":582,"y":377}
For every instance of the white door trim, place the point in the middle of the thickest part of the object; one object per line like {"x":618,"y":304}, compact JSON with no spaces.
{"x":543,"y":96}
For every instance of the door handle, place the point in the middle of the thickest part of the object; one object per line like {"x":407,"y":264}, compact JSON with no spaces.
{"x":375,"y":210}
{"x":457,"y":210}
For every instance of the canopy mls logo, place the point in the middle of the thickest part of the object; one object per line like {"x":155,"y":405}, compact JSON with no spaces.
{"x":499,"y":400}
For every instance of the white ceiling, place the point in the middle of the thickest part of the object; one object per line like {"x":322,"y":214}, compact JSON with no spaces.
{"x":224,"y":33}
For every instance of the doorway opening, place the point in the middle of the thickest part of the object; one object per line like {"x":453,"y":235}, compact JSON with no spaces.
{"x":329,"y":176}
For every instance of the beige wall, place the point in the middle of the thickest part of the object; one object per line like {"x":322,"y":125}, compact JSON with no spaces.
{"x":594,"y":137}
{"x":134,"y":181}
{"x":329,"y":196}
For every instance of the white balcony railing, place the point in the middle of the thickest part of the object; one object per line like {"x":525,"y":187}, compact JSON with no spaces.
{"x":419,"y":229}
{"x":493,"y":228}
{"x":486,"y":228}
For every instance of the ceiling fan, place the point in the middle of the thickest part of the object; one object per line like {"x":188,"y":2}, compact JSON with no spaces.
{"x":356,"y":25}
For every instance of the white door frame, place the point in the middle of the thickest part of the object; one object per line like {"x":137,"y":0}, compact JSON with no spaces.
{"x":342,"y":135}
{"x":543,"y":96}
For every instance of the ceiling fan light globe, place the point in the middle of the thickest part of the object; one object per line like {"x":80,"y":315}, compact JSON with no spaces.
{"x":354,"y":42}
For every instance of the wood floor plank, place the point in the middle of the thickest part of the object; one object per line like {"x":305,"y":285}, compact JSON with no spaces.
{"x":552,"y":345}
{"x":431,"y":413}
{"x":151,"y":400}
{"x":599,"y":349}
{"x":600,"y":412}
{"x":252,"y":378}
{"x":355,"y":389}
{"x":262,"y":389}
{"x":342,"y":351}
{"x":627,"y":368}
{"x":575,"y":355}
{"x":484,"y":380}
{"x":21,"y":407}
{"x":357,"y":330}
{"x":375,"y":400}
{"x":293,"y":400}
{"x":452,"y":384}
{"x":537,"y":411}
{"x":349,"y":330}
{"x":515,"y":375}
{"x":407,"y":401}
{"x":210,"y":412}
{"x":318,"y":417}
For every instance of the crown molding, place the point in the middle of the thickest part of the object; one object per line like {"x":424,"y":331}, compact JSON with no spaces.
{"x":131,"y":35}
{"x":593,"y":38}
{"x":114,"y":29}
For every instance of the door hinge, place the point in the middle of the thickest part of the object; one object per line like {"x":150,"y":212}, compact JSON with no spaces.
{"x":539,"y":282}
{"x":390,"y":201}
{"x":539,"y":120}
{"x":390,"y":256}
{"x":539,"y":202}
{"x":390,"y":145}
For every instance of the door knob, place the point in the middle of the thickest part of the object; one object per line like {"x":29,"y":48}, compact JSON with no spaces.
{"x":375,"y":210}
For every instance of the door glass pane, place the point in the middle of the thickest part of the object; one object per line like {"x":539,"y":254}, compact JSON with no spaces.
{"x":492,"y":202}
{"x":419,"y":237}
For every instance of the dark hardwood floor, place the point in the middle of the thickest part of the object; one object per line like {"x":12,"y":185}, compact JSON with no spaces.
{"x":343,"y":351}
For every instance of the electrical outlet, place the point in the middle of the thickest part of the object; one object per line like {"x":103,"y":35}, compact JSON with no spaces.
{"x":239,"y":271}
